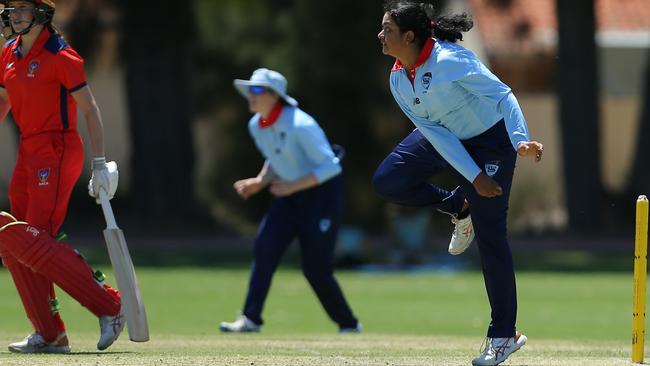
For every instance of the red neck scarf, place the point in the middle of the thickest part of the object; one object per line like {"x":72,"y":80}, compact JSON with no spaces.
{"x":422,"y":58}
{"x":273,"y":116}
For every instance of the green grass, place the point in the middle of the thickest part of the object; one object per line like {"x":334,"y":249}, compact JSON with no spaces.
{"x":408,"y":319}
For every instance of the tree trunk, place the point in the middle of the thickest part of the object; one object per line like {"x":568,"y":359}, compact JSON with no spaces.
{"x":578,"y":107}
{"x":158,"y":45}
{"x":640,"y":173}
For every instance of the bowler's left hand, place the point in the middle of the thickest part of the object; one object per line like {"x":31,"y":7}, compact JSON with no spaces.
{"x":531,"y":148}
{"x":283,"y":188}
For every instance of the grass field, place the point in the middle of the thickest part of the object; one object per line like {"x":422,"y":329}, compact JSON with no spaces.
{"x":409,"y":319}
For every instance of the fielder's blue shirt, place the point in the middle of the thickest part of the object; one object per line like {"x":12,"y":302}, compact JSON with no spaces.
{"x":295,"y":146}
{"x":451,"y":96}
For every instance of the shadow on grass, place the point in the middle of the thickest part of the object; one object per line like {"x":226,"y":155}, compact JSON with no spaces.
{"x":100,"y":353}
{"x":525,"y":260}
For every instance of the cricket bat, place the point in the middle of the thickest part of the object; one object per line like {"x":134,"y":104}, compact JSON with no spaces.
{"x":127,"y":282}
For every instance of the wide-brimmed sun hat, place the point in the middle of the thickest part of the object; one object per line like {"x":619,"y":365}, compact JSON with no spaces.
{"x":268,"y":78}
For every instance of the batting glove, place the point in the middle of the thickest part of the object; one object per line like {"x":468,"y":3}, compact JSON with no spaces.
{"x":104,"y":176}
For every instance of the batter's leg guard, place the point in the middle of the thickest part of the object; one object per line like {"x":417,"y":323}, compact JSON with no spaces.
{"x":36,"y":293}
{"x":61,"y":264}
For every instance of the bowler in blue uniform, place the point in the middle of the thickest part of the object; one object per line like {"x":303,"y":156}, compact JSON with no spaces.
{"x":468,"y":121}
{"x":304,"y":174}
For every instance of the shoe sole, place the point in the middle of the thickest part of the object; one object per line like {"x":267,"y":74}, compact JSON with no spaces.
{"x":511,"y":353}
{"x":227,"y":330}
{"x":460,"y":251}
{"x":103,"y":346}
{"x":43,"y":350}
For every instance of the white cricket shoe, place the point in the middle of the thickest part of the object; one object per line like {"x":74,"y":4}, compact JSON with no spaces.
{"x":34,"y":343}
{"x":356,"y":329}
{"x":497,"y":350}
{"x":241,"y":325}
{"x":110,"y":328}
{"x":462,"y":236}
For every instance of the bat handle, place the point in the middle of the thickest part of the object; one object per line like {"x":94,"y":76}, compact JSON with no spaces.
{"x":108,"y":210}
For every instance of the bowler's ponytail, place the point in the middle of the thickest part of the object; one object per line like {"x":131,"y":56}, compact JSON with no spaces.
{"x":451,"y":27}
{"x":419,"y":18}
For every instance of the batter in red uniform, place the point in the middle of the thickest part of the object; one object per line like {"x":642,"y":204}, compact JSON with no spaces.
{"x":42,"y":82}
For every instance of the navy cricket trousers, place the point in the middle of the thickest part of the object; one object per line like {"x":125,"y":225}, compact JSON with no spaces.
{"x":314,"y":216}
{"x":402,"y":178}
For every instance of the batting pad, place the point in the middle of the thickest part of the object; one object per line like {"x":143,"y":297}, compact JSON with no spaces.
{"x":60,"y":264}
{"x":36,"y":292}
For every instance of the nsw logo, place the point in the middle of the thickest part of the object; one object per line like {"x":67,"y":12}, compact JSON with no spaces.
{"x":492,"y":167}
{"x":426,"y":80}
{"x":324,"y":225}
{"x":33,"y":67}
{"x":43,"y":176}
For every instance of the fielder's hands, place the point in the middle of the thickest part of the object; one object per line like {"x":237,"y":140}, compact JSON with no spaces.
{"x":283,"y":188}
{"x":531,"y":148}
{"x":486,"y":186}
{"x":104,"y":176}
{"x":247,"y":187}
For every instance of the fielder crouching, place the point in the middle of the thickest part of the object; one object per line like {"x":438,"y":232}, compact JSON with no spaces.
{"x":304,"y":175}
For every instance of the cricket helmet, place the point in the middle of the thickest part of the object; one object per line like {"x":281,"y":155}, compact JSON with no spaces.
{"x":43,"y":14}
{"x":43,"y":10}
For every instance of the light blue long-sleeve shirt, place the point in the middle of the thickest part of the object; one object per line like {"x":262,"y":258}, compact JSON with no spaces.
{"x":295,"y":146}
{"x":454,"y":97}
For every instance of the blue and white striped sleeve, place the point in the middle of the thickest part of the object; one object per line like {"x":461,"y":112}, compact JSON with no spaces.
{"x":486,"y":85}
{"x":444,"y":141}
{"x":318,"y":149}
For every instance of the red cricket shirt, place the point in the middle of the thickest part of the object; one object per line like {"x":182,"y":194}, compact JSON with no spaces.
{"x":39,"y":83}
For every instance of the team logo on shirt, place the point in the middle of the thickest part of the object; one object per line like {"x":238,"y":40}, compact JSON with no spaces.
{"x":426,"y":80}
{"x":324,"y":225}
{"x":492,"y":167}
{"x":33,"y":66}
{"x":43,"y":176}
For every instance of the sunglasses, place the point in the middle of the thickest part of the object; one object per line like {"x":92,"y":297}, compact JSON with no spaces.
{"x":257,"y":90}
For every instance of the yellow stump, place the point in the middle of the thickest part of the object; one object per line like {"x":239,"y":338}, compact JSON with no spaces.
{"x":640,"y":275}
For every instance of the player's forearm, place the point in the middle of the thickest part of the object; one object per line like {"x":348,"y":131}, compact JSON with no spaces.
{"x":306,"y":182}
{"x":95,"y":131}
{"x":86,"y":102}
{"x":266,"y":175}
{"x":5,"y":106}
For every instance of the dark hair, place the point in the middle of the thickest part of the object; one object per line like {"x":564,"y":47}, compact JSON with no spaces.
{"x":420,"y":19}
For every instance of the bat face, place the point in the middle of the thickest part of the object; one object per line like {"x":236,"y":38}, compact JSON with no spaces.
{"x":127,"y":283}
